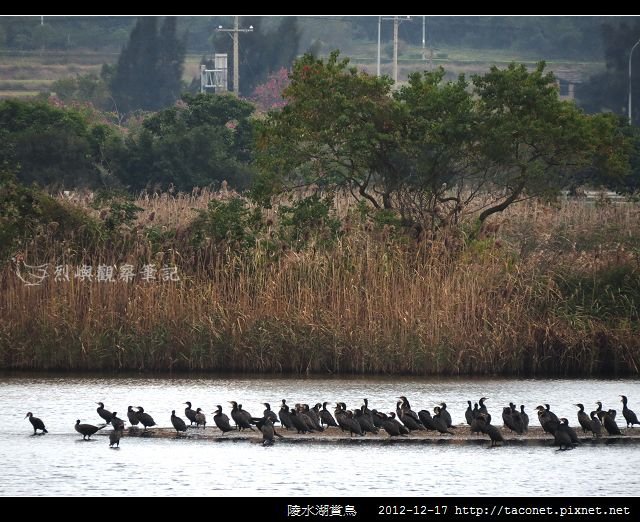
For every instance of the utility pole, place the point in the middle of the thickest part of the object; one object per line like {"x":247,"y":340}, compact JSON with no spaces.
{"x":379,"y":29}
{"x":630,"y":55}
{"x":396,"y":23}
{"x":424,"y":37}
{"x":236,"y":53}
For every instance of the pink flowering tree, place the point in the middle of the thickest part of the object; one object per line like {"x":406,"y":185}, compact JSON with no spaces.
{"x":268,"y":96}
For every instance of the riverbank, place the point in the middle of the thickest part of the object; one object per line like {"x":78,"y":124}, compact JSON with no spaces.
{"x":548,"y":290}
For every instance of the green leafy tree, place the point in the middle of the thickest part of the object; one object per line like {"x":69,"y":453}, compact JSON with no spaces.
{"x":338,"y":130}
{"x":53,"y":146}
{"x":435,"y":151}
{"x":530,"y":142}
{"x":202,"y":141}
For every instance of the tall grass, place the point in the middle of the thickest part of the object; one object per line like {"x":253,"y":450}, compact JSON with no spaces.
{"x":552,"y":290}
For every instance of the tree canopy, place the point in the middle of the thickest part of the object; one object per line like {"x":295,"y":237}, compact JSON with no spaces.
{"x":433,"y":150}
{"x":53,"y":146}
{"x":202,"y":140}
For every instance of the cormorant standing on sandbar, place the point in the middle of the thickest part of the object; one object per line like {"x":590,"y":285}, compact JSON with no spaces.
{"x":132,"y":415}
{"x":86,"y":430}
{"x":525,"y":418}
{"x":596,"y":425}
{"x":177,"y":422}
{"x":145,"y":419}
{"x":326,"y":417}
{"x":221,"y":420}
{"x":190,"y":413}
{"x":610,"y":424}
{"x":562,"y":436}
{"x":201,"y":418}
{"x":268,"y":412}
{"x":117,"y":423}
{"x":284,"y":415}
{"x":489,"y":429}
{"x":583,"y":418}
{"x":628,"y":414}
{"x":36,"y":423}
{"x":105,"y":414}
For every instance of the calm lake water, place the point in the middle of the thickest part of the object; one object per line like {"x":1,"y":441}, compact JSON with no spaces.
{"x":60,"y":463}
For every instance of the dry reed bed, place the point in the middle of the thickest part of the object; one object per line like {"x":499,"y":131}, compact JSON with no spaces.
{"x":372,"y":303}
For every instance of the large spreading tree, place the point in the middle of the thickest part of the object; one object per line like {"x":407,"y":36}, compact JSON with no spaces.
{"x":433,"y":150}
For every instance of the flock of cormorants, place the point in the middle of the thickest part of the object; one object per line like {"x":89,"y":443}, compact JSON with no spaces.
{"x":305,"y":419}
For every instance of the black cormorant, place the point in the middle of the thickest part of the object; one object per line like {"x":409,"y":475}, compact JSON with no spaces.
{"x":391,"y":425}
{"x":177,"y":422}
{"x":240,"y":417}
{"x":145,"y":419}
{"x":489,"y":429}
{"x":86,"y":430}
{"x":365,"y":422}
{"x":36,"y":423}
{"x":406,"y":417}
{"x":265,"y":425}
{"x":599,"y":411}
{"x":427,"y":420}
{"x":190,"y":413}
{"x":406,"y":410}
{"x":628,"y":414}
{"x":468,"y":414}
{"x":201,"y":418}
{"x":610,"y":425}
{"x":298,"y":422}
{"x":439,"y":422}
{"x":483,"y":408}
{"x":221,"y":420}
{"x":284,"y":415}
{"x":525,"y":418}
{"x":326,"y":417}
{"x":268,"y":412}
{"x":583,"y":418}
{"x":105,"y":414}
{"x":562,"y":436}
{"x":116,"y":422}
{"x":596,"y":425}
{"x":132,"y":416}
{"x":548,"y":424}
{"x":445,"y":415}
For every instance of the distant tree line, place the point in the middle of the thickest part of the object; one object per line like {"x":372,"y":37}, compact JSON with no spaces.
{"x":547,"y":36}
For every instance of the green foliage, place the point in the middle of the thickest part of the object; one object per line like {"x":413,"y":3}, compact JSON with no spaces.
{"x":229,"y":223}
{"x":17,"y":213}
{"x":26,"y":213}
{"x":52,"y":146}
{"x":149,"y":71}
{"x":432,"y":148}
{"x":309,"y":219}
{"x":337,"y":129}
{"x":87,"y":88}
{"x":203,"y":141}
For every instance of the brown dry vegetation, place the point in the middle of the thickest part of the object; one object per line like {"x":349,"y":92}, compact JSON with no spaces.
{"x":546,"y":290}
